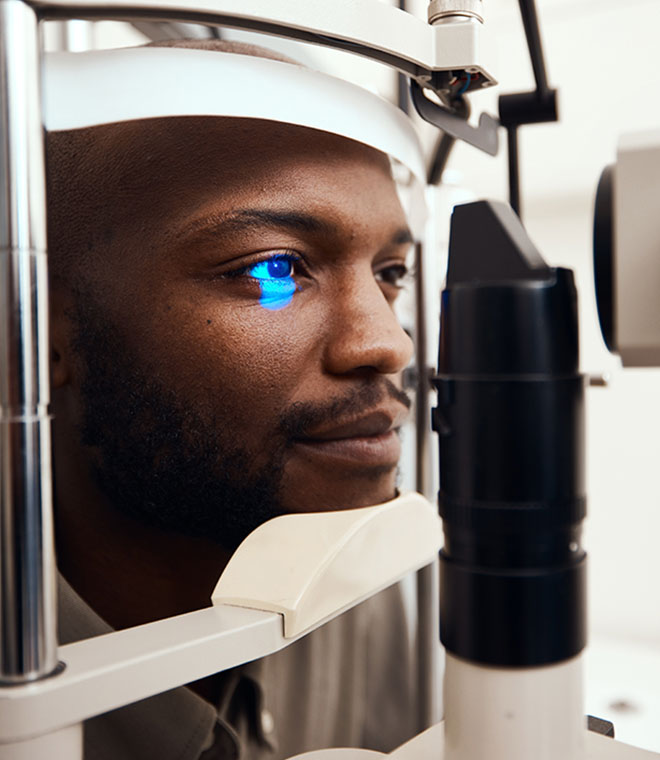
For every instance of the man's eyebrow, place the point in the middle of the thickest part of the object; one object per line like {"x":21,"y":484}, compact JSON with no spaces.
{"x":403,"y":236}
{"x":246,"y":219}
{"x":250,"y":219}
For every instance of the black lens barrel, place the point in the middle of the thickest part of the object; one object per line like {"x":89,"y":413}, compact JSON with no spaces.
{"x":510,"y":418}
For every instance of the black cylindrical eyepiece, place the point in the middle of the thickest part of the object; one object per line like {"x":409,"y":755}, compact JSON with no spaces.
{"x":510,"y":420}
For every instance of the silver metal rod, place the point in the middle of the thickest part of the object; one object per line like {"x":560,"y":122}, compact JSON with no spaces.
{"x":75,"y":35}
{"x":157,"y":31}
{"x":369,"y":28}
{"x":428,"y":646}
{"x":428,"y":586}
{"x":28,"y":644}
{"x":422,"y":411}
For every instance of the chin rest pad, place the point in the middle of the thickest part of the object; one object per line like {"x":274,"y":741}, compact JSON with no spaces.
{"x":310,"y":567}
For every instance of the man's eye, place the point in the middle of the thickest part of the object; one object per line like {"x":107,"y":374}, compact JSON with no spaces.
{"x":275,"y":276}
{"x":395,"y":274}
{"x":276,"y":268}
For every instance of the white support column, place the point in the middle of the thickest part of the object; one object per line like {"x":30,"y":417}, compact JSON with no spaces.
{"x":75,"y":36}
{"x":514,"y":713}
{"x":65,"y":744}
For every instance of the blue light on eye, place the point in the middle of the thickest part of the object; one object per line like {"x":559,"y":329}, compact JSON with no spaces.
{"x":276,"y":281}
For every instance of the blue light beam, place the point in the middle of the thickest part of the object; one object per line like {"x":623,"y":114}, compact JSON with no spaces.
{"x":276,"y":282}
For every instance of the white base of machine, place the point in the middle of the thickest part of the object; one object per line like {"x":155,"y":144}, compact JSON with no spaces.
{"x":60,"y":745}
{"x":506,"y":714}
{"x":431,"y":745}
{"x":513,"y":713}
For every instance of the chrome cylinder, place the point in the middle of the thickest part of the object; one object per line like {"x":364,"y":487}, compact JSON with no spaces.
{"x":443,"y":11}
{"x":28,"y":644}
{"x":423,"y":459}
{"x":427,"y":642}
{"x":75,"y":35}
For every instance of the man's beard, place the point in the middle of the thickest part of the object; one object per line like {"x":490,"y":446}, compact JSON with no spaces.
{"x":171,"y":466}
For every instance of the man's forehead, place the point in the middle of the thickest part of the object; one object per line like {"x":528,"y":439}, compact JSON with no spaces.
{"x":181,"y":164}
{"x":142,"y":184}
{"x":200,"y":137}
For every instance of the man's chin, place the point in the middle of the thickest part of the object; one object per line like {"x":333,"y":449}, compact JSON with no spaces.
{"x":332,"y":494}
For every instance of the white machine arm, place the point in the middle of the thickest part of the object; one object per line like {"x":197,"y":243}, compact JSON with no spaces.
{"x":370,"y":28}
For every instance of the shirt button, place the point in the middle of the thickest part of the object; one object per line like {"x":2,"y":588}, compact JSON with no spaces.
{"x":267,"y":721}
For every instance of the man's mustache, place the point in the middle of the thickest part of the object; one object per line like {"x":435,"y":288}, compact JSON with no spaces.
{"x":303,"y":417}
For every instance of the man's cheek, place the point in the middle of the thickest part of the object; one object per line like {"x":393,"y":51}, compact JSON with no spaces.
{"x":262,"y":363}
{"x":249,"y":361}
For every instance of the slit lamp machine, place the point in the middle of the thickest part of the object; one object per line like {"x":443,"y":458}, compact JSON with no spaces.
{"x":512,"y":493}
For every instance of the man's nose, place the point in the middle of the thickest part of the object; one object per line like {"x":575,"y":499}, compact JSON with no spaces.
{"x":364,"y":333}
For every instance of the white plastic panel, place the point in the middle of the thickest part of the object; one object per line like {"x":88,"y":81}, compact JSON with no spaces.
{"x":636,"y":266}
{"x":103,"y":87}
{"x":310,"y":566}
{"x":109,"y":86}
{"x":109,"y":671}
{"x":430,"y":745}
{"x":65,"y":744}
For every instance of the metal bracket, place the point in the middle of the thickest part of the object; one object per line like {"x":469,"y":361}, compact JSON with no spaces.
{"x":483,"y":137}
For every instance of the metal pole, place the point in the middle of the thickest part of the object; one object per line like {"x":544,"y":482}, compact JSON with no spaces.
{"x":402,"y":85}
{"x":422,"y":412}
{"x":533,"y":36}
{"x":428,"y":586}
{"x":514,"y":169}
{"x":75,"y":35}
{"x":28,"y":645}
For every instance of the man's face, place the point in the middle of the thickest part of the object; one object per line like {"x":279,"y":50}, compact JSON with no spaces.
{"x":238,"y":335}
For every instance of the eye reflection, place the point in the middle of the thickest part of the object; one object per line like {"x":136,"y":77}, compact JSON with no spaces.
{"x":276,"y":281}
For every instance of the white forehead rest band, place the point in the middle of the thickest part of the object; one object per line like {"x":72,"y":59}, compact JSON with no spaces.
{"x":104,"y":87}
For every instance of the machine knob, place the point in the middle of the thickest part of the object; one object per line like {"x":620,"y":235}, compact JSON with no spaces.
{"x":441,"y":11}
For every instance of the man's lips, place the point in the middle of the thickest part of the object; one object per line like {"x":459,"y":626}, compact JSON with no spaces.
{"x":370,"y":440}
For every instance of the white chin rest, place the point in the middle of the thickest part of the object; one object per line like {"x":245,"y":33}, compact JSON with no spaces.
{"x":310,"y":567}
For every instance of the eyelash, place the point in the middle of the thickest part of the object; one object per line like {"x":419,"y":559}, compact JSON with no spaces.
{"x":248,"y":269}
{"x":396,"y":275}
{"x":401,"y":275}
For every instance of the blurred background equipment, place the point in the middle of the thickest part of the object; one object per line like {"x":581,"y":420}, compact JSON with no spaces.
{"x":627,"y":251}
